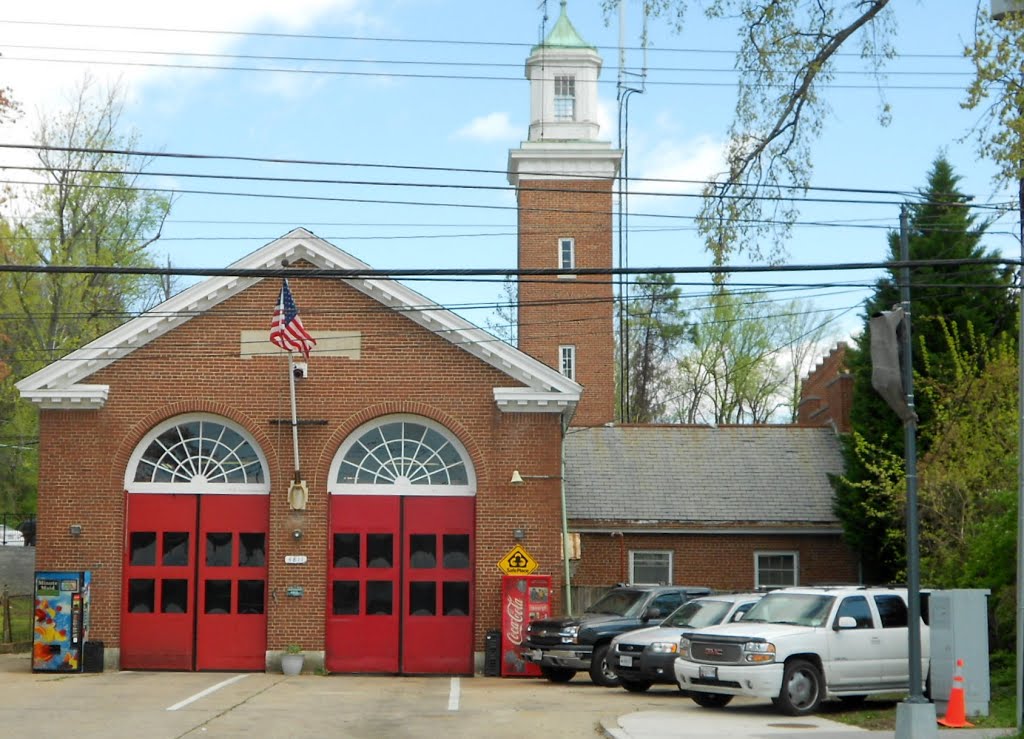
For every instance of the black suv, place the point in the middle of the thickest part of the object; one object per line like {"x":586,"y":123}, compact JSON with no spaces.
{"x":564,"y":646}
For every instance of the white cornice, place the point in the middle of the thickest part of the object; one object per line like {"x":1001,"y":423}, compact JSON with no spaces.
{"x":72,"y":398}
{"x":526,"y":400}
{"x":559,"y":160}
{"x":58,"y":382}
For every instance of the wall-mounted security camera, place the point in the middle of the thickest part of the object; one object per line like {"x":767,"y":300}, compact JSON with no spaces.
{"x":300,"y":370}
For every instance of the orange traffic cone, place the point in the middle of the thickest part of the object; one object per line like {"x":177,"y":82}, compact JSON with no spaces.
{"x":956,"y":711}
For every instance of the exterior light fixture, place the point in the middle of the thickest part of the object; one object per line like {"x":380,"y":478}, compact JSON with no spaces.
{"x":519,"y":479}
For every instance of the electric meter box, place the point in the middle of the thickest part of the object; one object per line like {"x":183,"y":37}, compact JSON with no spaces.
{"x":958,"y":628}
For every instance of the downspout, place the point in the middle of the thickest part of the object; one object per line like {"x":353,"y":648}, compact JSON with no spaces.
{"x":566,"y":544}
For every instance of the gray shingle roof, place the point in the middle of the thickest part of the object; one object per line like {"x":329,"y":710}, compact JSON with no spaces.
{"x":699,"y":475}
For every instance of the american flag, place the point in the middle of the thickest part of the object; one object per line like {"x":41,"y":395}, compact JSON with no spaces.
{"x":286,"y":330}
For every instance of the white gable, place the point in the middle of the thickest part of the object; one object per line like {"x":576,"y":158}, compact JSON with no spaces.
{"x":60,"y":385}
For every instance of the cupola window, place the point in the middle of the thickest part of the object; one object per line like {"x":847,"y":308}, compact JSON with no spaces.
{"x":565,"y":98}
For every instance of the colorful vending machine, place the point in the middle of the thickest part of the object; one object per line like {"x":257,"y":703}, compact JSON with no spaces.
{"x":61,"y":621}
{"x":524,"y":598}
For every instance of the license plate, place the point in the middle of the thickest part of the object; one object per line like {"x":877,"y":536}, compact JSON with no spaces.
{"x":708,"y":672}
{"x":625,"y":660}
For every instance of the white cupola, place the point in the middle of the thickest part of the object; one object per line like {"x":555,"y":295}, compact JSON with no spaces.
{"x":563,"y":72}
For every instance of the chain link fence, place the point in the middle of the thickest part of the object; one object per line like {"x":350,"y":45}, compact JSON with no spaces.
{"x":16,"y":621}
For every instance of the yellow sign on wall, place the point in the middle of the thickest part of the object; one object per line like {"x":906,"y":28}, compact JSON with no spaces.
{"x":517,"y":562}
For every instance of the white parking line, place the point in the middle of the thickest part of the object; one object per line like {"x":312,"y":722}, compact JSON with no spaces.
{"x":204,"y":693}
{"x":453,"y":695}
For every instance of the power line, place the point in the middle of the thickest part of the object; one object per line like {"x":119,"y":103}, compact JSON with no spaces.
{"x":394,"y":273}
{"x":400,"y":40}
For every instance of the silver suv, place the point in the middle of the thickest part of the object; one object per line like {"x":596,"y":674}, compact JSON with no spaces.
{"x":644,"y":657}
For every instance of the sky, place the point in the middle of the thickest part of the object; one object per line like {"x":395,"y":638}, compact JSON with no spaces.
{"x":374,"y":89}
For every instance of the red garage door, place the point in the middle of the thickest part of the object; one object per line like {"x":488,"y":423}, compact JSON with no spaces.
{"x":195,"y":582}
{"x":400,"y":585}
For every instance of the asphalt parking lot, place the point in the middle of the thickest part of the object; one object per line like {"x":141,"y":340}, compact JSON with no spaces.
{"x":166,"y":705}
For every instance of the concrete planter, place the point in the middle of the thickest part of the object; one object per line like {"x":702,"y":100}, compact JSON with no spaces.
{"x":291,"y":664}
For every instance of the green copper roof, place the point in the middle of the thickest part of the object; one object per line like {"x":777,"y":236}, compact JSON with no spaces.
{"x":564,"y":35}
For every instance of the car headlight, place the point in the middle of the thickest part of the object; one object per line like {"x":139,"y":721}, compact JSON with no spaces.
{"x":569,"y":634}
{"x":684,"y":648}
{"x":758,"y":652}
{"x":665,"y":647}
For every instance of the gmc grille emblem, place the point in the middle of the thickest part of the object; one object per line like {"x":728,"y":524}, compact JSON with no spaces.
{"x":713,"y":651}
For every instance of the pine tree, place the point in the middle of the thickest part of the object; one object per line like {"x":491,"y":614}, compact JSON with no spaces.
{"x":869,"y":501}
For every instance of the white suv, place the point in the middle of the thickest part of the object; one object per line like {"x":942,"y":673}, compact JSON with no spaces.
{"x":799,"y":646}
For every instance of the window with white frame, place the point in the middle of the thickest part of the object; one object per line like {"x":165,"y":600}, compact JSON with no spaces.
{"x":653,"y":567}
{"x":567,"y":253}
{"x":567,"y":360}
{"x":775,"y":569}
{"x":565,"y":97}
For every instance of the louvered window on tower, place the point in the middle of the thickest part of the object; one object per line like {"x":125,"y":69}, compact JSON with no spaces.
{"x":565,"y":98}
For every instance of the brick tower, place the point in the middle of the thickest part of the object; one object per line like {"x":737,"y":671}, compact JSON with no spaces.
{"x":563,"y":175}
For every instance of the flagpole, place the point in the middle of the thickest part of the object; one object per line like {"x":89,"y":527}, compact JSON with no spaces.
{"x":295,"y":419}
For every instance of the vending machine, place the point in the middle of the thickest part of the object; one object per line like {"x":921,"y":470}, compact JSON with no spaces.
{"x":524,"y":598}
{"x":61,"y":622}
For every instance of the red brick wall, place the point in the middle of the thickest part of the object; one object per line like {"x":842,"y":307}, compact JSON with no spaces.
{"x":196,"y":368}
{"x":719,"y":561}
{"x":826,"y":393}
{"x":555,"y":312}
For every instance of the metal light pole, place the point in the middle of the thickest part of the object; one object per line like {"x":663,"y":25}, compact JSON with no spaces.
{"x":915,"y":717}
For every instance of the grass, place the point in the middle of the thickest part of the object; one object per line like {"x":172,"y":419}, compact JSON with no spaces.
{"x":879,"y":713}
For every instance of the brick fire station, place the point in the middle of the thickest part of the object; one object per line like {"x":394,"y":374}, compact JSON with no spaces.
{"x":167,"y":465}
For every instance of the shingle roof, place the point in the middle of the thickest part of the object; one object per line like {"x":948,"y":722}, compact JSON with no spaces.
{"x":702,"y":476}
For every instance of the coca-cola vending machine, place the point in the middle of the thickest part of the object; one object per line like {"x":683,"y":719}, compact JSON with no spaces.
{"x":524,"y":598}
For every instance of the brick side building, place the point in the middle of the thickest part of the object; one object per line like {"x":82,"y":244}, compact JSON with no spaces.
{"x":827,"y":391}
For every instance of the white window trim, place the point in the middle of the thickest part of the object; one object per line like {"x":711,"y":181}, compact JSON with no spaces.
{"x":561,"y":265}
{"x":780,"y":553}
{"x":336,"y":488}
{"x":570,"y":98}
{"x":132,"y":486}
{"x":561,"y":360}
{"x":671,"y":562}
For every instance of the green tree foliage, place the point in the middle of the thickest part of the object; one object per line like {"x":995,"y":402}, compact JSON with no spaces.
{"x":727,"y":371}
{"x":88,"y":210}
{"x":998,"y":90}
{"x":968,"y":480}
{"x":967,"y":299}
{"x":656,"y":322}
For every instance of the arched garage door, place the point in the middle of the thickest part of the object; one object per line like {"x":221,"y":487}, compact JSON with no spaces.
{"x":195,"y":561}
{"x":400,"y":576}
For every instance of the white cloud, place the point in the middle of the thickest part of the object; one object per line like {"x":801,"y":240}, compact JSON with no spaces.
{"x":490,"y":127}
{"x":684,"y":164}
{"x":42,"y":63}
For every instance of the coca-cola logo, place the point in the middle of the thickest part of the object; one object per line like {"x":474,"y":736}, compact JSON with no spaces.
{"x":515,"y":608}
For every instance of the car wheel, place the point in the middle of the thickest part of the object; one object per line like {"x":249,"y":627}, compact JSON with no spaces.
{"x":558,"y":674}
{"x":711,"y":700}
{"x":600,"y":671}
{"x":801,"y":688}
{"x":635,"y":686}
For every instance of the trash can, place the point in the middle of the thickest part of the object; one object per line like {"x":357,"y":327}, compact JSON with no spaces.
{"x":92,"y":656}
{"x":492,"y":654}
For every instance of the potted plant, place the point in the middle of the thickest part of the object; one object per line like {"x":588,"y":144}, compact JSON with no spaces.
{"x":292,"y":659}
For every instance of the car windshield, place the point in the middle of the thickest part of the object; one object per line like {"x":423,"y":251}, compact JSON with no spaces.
{"x":802,"y":609}
{"x":617,"y":603}
{"x":696,"y":614}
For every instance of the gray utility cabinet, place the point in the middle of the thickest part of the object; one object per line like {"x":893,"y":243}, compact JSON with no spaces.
{"x":958,"y":627}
